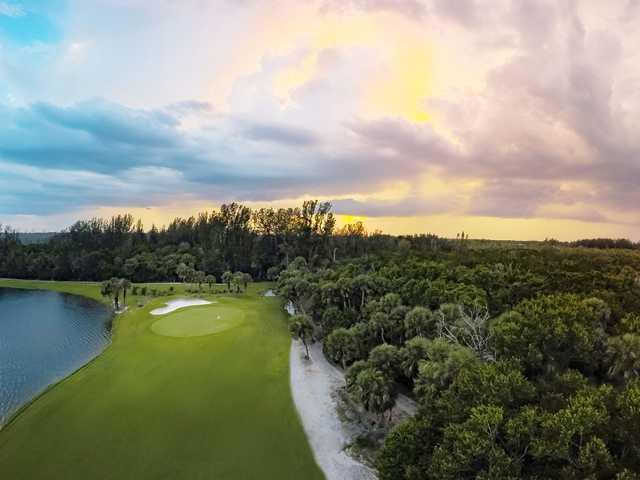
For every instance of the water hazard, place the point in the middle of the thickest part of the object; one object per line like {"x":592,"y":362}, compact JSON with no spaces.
{"x":45,"y":336}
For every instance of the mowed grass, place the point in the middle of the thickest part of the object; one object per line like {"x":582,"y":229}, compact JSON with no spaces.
{"x":158,"y":407}
{"x":201,"y":320}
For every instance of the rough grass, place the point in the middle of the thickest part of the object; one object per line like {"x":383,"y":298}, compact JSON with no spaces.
{"x":156,"y":407}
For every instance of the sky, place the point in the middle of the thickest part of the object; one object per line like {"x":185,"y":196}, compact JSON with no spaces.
{"x":505,"y":119}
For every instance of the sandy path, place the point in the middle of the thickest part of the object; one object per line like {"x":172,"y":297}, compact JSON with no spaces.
{"x":173,"y":305}
{"x":313,"y":384}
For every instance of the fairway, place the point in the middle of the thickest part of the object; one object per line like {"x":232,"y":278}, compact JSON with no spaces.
{"x":180,"y":396}
{"x":199,"y":321}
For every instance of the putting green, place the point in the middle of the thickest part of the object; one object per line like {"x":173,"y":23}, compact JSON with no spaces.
{"x":198,"y":321}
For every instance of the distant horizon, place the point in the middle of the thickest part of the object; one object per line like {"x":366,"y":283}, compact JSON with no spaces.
{"x":343,"y":220}
{"x":510,"y":119}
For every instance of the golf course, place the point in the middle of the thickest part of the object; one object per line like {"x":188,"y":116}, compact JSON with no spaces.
{"x":201,"y":392}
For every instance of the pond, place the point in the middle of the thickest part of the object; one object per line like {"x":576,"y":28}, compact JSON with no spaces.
{"x":44,"y":337}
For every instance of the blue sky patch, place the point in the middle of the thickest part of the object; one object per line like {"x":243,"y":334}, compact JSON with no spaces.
{"x":27,"y":22}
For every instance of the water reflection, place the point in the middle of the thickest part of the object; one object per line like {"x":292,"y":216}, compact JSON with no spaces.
{"x":44,"y":336}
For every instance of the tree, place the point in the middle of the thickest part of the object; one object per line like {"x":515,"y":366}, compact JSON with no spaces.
{"x":402,"y":455}
{"x":345,"y":346}
{"x":246,"y":279}
{"x":380,"y":322}
{"x":301,"y":328}
{"x":353,"y":371}
{"x":227,"y":277}
{"x":124,"y":286}
{"x":373,"y":390}
{"x":623,"y":354}
{"x":237,"y":279}
{"x":111,"y":288}
{"x":472,"y":450}
{"x":386,"y":358}
{"x":414,"y":351}
{"x":419,"y":321}
{"x":466,"y":326}
{"x":199,"y":278}
{"x":339,"y":346}
{"x":182,"y":271}
{"x":443,"y":363}
{"x":552,"y":332}
{"x":210,"y":280}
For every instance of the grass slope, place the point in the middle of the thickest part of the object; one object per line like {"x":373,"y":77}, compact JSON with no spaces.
{"x":157,"y":407}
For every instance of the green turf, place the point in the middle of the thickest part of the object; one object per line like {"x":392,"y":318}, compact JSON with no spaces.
{"x":157,"y":407}
{"x":199,"y":321}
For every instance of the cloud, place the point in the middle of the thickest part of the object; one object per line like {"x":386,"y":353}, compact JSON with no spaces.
{"x":487,"y":108}
{"x":407,"y":207}
{"x":11,"y":10}
{"x":112,"y":123}
{"x":285,"y":134}
{"x":410,"y":8}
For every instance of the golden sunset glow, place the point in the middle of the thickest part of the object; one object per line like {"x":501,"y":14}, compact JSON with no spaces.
{"x":411,"y":116}
{"x":405,"y":85}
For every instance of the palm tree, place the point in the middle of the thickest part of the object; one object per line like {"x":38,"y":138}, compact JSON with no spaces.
{"x":227,"y":277}
{"x":111,"y":288}
{"x":301,"y":328}
{"x":380,"y":321}
{"x":237,"y":279}
{"x":211,"y":280}
{"x":246,"y":279}
{"x":373,"y":390}
{"x":124,"y":286}
{"x":199,"y":277}
{"x":106,"y":289}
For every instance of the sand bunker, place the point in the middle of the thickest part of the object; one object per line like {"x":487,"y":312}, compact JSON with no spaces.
{"x":174,"y":305}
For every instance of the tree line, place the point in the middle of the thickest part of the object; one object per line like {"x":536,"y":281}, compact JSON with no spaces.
{"x":235,"y":238}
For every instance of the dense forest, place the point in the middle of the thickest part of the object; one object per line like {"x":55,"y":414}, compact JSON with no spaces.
{"x":523,"y":356}
{"x":524,"y":361}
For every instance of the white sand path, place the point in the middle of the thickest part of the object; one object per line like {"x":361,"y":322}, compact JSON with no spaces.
{"x":314,"y":384}
{"x":173,"y":305}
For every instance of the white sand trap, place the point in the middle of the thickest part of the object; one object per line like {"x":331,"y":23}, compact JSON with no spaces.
{"x":269,"y":293}
{"x":314,"y":384}
{"x":173,"y":305}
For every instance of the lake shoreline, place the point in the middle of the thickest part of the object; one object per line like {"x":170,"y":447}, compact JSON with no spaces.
{"x":108,"y":324}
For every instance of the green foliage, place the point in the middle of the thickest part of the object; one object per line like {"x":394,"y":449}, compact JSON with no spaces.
{"x":472,"y":449}
{"x":623,"y":354}
{"x":444,"y":360}
{"x":522,"y":358}
{"x":385,"y":358}
{"x":414,"y":351}
{"x":552,"y":332}
{"x":419,"y":321}
{"x":401,"y":456}
{"x":345,"y":346}
{"x":301,"y":327}
{"x":372,"y":389}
